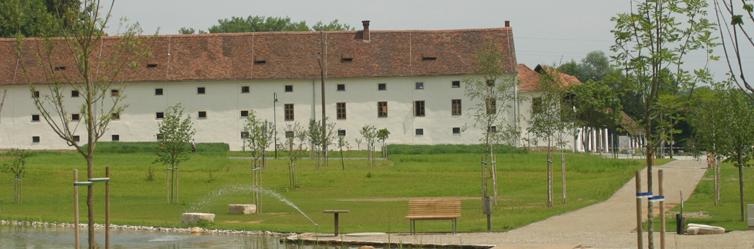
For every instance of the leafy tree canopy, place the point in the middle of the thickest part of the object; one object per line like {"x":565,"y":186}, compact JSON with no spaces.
{"x":268,"y":24}
{"x":33,"y":18}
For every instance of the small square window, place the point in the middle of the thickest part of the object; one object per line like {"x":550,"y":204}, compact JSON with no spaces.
{"x":115,"y":138}
{"x":35,"y":139}
{"x":420,"y":132}
{"x":288,"y":88}
{"x":201,"y":90}
{"x":341,"y":87}
{"x":76,"y":138}
{"x":382,"y":87}
{"x":244,"y":135}
{"x":75,"y":93}
{"x":115,"y":116}
{"x":202,"y":114}
{"x":158,"y":91}
{"x":35,"y":118}
{"x":159,"y":136}
{"x":455,"y":84}
{"x":490,"y":82}
{"x":114,"y":92}
{"x":35,"y":94}
{"x":341,"y":133}
{"x":419,"y":85}
{"x":159,"y":115}
{"x":244,"y":114}
{"x":245,"y":89}
{"x":75,"y":117}
{"x":288,"y":134}
{"x":456,"y":130}
{"x":493,"y":129}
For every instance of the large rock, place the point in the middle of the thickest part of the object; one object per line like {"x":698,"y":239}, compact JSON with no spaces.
{"x":194,"y":218}
{"x":751,"y":216}
{"x":699,"y":229}
{"x":242,"y":208}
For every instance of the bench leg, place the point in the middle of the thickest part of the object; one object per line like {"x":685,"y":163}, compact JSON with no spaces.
{"x":455,"y":225}
{"x":413,"y":227}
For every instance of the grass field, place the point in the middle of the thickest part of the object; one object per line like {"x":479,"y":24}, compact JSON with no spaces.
{"x":377,"y":203}
{"x":726,"y":215}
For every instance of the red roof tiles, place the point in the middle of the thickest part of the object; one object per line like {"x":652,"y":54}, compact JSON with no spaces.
{"x":528,"y":79}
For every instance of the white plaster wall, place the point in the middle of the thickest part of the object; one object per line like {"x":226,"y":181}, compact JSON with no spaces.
{"x":223,"y":102}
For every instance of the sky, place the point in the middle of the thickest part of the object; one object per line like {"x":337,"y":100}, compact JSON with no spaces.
{"x":548,"y":32}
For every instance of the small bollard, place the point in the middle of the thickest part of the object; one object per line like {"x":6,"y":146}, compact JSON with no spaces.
{"x":679,"y":226}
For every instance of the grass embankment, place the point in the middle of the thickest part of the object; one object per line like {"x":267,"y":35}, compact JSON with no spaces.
{"x":727,"y":214}
{"x":377,"y":203}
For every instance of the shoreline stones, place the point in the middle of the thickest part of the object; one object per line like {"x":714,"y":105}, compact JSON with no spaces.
{"x":99,"y":227}
{"x":194,"y":218}
{"x":242,"y":209}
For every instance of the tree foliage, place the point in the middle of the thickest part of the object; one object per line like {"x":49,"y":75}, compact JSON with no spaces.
{"x":595,"y":67}
{"x":36,"y":18}
{"x":269,"y":24}
{"x":734,"y":22}
{"x":16,"y":166}
{"x":738,"y":134}
{"x":334,"y":25}
{"x":176,"y":132}
{"x":258,"y":135}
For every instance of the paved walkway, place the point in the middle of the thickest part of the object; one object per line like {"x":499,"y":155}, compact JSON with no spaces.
{"x":609,"y":224}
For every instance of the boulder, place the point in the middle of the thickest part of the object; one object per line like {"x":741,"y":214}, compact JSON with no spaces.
{"x":194,"y":218}
{"x":242,"y":208}
{"x":699,"y":229}
{"x":197,"y":230}
{"x":366,"y":247}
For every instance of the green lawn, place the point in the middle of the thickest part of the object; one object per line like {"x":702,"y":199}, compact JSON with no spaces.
{"x":375,"y":202}
{"x":727,"y":215}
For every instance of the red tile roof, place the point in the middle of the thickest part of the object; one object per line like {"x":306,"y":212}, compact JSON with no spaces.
{"x":288,"y":55}
{"x":528,"y":79}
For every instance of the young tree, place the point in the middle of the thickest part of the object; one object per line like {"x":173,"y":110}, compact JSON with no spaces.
{"x":293,"y":133}
{"x":342,"y":142}
{"x":175,"y":134}
{"x":17,"y":167}
{"x":94,"y":72}
{"x":738,"y":132}
{"x":369,"y":133}
{"x":258,"y":135}
{"x":493,"y":97}
{"x":651,"y":44}
{"x":706,"y":119}
{"x":382,"y":136}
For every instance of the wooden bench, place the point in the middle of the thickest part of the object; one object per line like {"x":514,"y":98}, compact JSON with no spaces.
{"x":433,"y":209}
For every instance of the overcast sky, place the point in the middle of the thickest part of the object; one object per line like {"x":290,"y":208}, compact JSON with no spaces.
{"x":545,"y":31}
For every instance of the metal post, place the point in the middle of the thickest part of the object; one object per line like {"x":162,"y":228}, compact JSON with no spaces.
{"x":107,"y":208}
{"x":76,"y":209}
{"x":662,"y":211}
{"x":337,"y":229}
{"x":639,"y":233}
{"x":274,"y":122}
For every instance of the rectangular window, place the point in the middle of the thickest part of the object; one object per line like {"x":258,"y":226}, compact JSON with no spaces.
{"x":341,"y":133}
{"x":420,"y":132}
{"x":288,"y":134}
{"x":340,"y":110}
{"x":244,"y":135}
{"x":35,"y":94}
{"x":419,"y":108}
{"x":260,"y":61}
{"x":202,"y":114}
{"x":77,"y":138}
{"x":115,"y":138}
{"x":152,"y":65}
{"x":115,"y":116}
{"x":382,"y":87}
{"x":491,"y":104}
{"x":455,"y":107}
{"x":456,"y":130}
{"x":244,"y":114}
{"x":158,"y":91}
{"x":35,"y":139}
{"x":245,"y":89}
{"x":455,"y":84}
{"x":75,"y":117}
{"x":114,"y":92}
{"x":341,"y":87}
{"x":382,"y":109}
{"x":288,"y":111}
{"x":289,"y":88}
{"x":201,"y":90}
{"x":75,"y":93}
{"x":492,"y":129}
{"x":419,"y":85}
{"x":159,"y":136}
{"x":159,"y":115}
{"x":35,"y":118}
{"x":536,"y":105}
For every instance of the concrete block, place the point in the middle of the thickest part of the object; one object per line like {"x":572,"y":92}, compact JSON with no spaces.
{"x":193,"y":218}
{"x":699,"y":229}
{"x":751,"y":216}
{"x":242,"y":208}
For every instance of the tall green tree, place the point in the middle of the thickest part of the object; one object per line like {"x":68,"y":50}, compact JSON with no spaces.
{"x":706,"y":120}
{"x":651,"y":44}
{"x":175,"y":134}
{"x":257,"y":24}
{"x":595,"y":66}
{"x":334,"y":25}
{"x":738,"y":134}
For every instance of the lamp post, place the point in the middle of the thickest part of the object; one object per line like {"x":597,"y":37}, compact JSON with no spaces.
{"x":274,"y":122}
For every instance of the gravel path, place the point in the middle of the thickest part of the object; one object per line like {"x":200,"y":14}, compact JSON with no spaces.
{"x":609,"y":224}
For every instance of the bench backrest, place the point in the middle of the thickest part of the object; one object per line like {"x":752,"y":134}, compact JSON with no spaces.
{"x":434,"y":207}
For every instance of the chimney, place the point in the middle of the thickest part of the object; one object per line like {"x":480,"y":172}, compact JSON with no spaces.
{"x":365,"y":32}
{"x":507,"y":24}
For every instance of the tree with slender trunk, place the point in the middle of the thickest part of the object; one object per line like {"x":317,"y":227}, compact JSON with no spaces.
{"x":95,"y":71}
{"x":175,"y":133}
{"x":293,"y":134}
{"x":369,"y":133}
{"x":258,"y":135}
{"x":342,"y":142}
{"x":706,"y":120}
{"x":651,"y":44}
{"x":382,"y":135}
{"x":493,"y":97}
{"x":738,"y":135}
{"x":17,"y":167}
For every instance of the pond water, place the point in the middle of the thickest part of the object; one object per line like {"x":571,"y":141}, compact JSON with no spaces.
{"x":54,"y":238}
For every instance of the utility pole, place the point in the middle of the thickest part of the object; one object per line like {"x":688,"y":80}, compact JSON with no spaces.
{"x":322,"y":67}
{"x":274,"y":122}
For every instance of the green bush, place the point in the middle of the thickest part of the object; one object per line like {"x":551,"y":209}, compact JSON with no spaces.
{"x":402,"y":149}
{"x":151,"y":147}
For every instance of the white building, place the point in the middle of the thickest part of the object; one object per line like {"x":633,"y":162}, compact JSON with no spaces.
{"x":410,"y":82}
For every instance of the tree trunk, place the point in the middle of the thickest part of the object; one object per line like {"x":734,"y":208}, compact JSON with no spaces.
{"x":549,"y":173}
{"x":717,"y":180}
{"x":342,"y":163}
{"x":741,"y":164}
{"x":17,"y":190}
{"x":650,"y":213}
{"x":563,"y":175}
{"x":493,"y":171}
{"x":90,"y":199}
